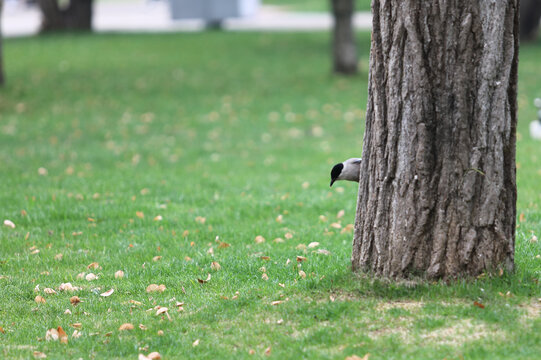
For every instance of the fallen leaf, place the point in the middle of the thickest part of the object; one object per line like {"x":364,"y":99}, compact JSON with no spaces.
{"x":277,"y":302}
{"x":355,"y":357}
{"x":323,"y":252}
{"x":204,"y":281}
{"x":142,"y":327}
{"x":259,"y":239}
{"x":67,"y":312}
{"x":81,"y":275}
{"x":139,"y":214}
{"x":224,"y":245}
{"x":62,"y":335}
{"x":200,"y":219}
{"x":533,"y":239}
{"x":2,"y":330}
{"x":301,"y":258}
{"x":267,"y":258}
{"x":49,"y":291}
{"x":107,"y":293}
{"x":302,"y":274}
{"x":313,"y":245}
{"x":215,"y":266}
{"x":265,"y":276}
{"x":39,"y":299}
{"x":76,"y":334}
{"x":154,"y":356}
{"x":135,"y":302}
{"x":158,"y":218}
{"x":288,"y":236}
{"x":160,"y":333}
{"x":58,"y":257}
{"x":126,"y":326}
{"x":280,"y":321}
{"x":74,"y":300}
{"x":162,"y":310}
{"x":347,"y":228}
{"x":278,"y":240}
{"x":155,"y":287}
{"x":251,"y":352}
{"x":76,"y":325}
{"x":279,"y":218}
{"x":39,"y":355}
{"x":90,"y":277}
{"x":9,"y":224}
{"x":119,"y":274}
{"x":336,"y":225}
{"x":340,"y":214}
{"x":521,"y":217}
{"x":195,"y":343}
{"x":268,"y":351}
{"x":478,"y":304}
{"x":68,"y":287}
{"x":156,"y":258}
{"x":93,"y":265}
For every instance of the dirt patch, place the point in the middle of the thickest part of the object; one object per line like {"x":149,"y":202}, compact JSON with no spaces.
{"x":405,"y":305}
{"x":461,"y":332}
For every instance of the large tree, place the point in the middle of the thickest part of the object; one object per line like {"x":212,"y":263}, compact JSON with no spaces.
{"x":344,"y":48}
{"x":437,"y":194}
{"x":67,"y":15}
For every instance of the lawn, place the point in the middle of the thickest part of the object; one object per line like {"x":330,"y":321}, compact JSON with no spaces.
{"x":313,"y":5}
{"x":201,"y":162}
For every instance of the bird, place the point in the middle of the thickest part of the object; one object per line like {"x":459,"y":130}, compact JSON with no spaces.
{"x":348,"y":170}
{"x":535,"y":126}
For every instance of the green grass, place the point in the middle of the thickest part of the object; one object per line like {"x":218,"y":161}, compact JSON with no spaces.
{"x":225,"y":126}
{"x":313,"y":5}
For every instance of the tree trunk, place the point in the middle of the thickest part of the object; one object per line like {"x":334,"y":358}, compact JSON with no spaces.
{"x":2,"y":80}
{"x":344,"y":47}
{"x":437,"y":194}
{"x":530,"y":14}
{"x":76,"y":16}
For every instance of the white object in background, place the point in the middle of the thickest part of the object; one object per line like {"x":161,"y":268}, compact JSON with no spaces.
{"x":212,"y":10}
{"x":535,"y":126}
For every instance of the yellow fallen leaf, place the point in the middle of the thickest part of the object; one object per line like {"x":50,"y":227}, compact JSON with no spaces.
{"x":93,"y":265}
{"x":155,"y":288}
{"x":336,"y":225}
{"x":355,"y":357}
{"x":68,"y":287}
{"x":313,"y":244}
{"x":340,"y":214}
{"x":158,"y":218}
{"x":49,"y":291}
{"x":76,"y":334}
{"x":126,"y":326}
{"x":139,"y":214}
{"x":301,"y":258}
{"x":302,"y":274}
{"x":161,"y":310}
{"x":154,"y":356}
{"x":119,"y":274}
{"x":259,"y":239}
{"x":156,"y":258}
{"x":277,"y":302}
{"x":39,"y":355}
{"x":142,"y":327}
{"x":268,"y":351}
{"x":288,"y":236}
{"x":90,"y":277}
{"x":39,"y":299}
{"x":215,"y":266}
{"x":195,"y":343}
{"x":76,"y":325}
{"x":265,"y":276}
{"x":58,"y":257}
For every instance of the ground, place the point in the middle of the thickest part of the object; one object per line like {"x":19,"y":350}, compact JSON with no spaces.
{"x":201,"y":162}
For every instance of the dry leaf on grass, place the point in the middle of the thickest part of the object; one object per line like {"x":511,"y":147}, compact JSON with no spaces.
{"x":2,"y":330}
{"x":478,"y":304}
{"x":288,"y":236}
{"x":62,"y":335}
{"x":313,"y":244}
{"x":277,"y":302}
{"x":259,"y":239}
{"x":74,"y":300}
{"x":126,"y":326}
{"x":93,"y":265}
{"x":268,"y":351}
{"x":157,"y":258}
{"x":139,"y":214}
{"x":158,"y":218}
{"x":76,"y":334}
{"x":49,"y":291}
{"x":107,"y":293}
{"x":58,"y":257}
{"x":195,"y":343}
{"x":76,"y":325}
{"x":51,"y":335}
{"x":201,"y":281}
{"x":355,"y":357}
{"x":340,"y":214}
{"x":152,"y":356}
{"x":119,"y":274}
{"x":90,"y":277}
{"x":215,"y":266}
{"x":323,"y":252}
{"x":9,"y":224}
{"x":336,"y":225}
{"x":301,"y":258}
{"x":39,"y":299}
{"x":265,"y":277}
{"x":155,"y":288}
{"x":302,"y":274}
{"x":67,"y":312}
{"x":142,"y":327}
{"x":39,"y":355}
{"x":68,"y":287}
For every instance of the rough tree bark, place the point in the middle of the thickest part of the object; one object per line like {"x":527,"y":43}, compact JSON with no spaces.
{"x":2,"y":79}
{"x":530,"y":14}
{"x":77,"y":15}
{"x":344,"y":48}
{"x":437,"y":195}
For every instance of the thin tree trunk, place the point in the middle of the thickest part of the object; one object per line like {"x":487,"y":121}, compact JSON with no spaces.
{"x":344,"y":47}
{"x":76,"y":16}
{"x":437,"y":195}
{"x":2,"y":79}
{"x":530,"y":14}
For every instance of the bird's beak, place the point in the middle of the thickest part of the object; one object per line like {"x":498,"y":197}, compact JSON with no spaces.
{"x":332,"y":182}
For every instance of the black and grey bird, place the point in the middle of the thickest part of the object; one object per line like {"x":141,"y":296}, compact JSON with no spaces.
{"x":347,"y":170}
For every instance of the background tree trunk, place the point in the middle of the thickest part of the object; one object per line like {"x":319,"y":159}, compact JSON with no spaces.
{"x":2,"y":80}
{"x":530,"y":14}
{"x":76,"y":16}
{"x":344,"y":47}
{"x":437,"y":195}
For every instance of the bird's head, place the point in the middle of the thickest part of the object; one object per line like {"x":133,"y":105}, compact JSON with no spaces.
{"x":335,"y":172}
{"x":347,"y":170}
